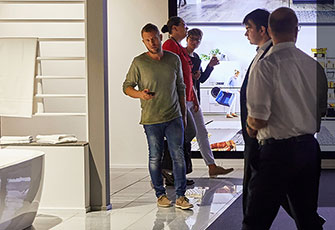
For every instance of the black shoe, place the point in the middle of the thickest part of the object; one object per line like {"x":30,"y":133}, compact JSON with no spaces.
{"x":189,"y":182}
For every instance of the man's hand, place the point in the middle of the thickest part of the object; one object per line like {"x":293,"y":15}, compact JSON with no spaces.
{"x":196,"y":75}
{"x":145,"y":96}
{"x":251,"y":132}
{"x":196,"y":105}
{"x":214,"y":61}
{"x":184,"y":117}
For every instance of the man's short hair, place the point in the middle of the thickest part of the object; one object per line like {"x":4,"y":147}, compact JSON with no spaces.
{"x":149,"y":28}
{"x":283,"y":21}
{"x":260,"y":17}
{"x":195,"y":32}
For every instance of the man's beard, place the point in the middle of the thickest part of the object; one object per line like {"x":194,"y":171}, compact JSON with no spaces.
{"x":156,"y":51}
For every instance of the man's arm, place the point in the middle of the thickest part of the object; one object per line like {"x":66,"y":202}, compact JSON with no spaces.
{"x":180,"y":87}
{"x":205,"y":75}
{"x":130,"y":91}
{"x":259,"y":97}
{"x":195,"y":100}
{"x":322,"y":90}
{"x":182,"y":102}
{"x":253,"y":125}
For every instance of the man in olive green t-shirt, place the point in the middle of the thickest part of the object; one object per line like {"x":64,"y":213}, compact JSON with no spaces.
{"x":159,"y":79}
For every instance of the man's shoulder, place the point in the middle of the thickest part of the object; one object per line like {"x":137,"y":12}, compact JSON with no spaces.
{"x":140,"y":56}
{"x":171,"y":55}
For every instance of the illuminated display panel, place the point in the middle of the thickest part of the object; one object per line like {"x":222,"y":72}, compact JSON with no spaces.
{"x":221,"y":22}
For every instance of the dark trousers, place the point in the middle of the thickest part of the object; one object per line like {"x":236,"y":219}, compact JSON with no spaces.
{"x":251,"y":155}
{"x":290,"y":170}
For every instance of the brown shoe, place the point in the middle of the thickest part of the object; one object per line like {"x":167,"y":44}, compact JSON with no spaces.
{"x":163,"y":201}
{"x":229,"y":116}
{"x":218,"y":170}
{"x":234,"y":115}
{"x":182,"y":203}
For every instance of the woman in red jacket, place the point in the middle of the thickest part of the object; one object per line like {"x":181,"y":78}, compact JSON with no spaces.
{"x":177,"y":32}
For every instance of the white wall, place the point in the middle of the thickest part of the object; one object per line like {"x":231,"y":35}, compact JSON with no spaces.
{"x":126,"y":19}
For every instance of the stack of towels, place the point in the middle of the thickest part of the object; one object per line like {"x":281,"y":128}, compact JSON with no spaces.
{"x":56,"y":138}
{"x":16,"y":139}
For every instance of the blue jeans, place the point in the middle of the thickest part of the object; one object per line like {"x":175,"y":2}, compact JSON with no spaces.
{"x":174,"y":133}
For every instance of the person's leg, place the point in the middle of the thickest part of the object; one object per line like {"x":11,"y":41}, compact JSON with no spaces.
{"x":233,"y":105}
{"x":266,"y":188}
{"x":155,"y":138}
{"x":190,"y":133}
{"x":304,"y":185}
{"x":202,"y":139}
{"x":174,"y":133}
{"x":230,"y":109}
{"x":190,"y":130}
{"x":202,"y":135}
{"x":236,"y":99}
{"x":251,"y":153}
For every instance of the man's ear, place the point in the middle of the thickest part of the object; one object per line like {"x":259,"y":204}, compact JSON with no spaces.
{"x":263,"y":30}
{"x":161,"y":37}
{"x":270,"y":32}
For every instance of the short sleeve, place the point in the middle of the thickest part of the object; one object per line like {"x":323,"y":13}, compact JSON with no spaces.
{"x":180,"y":82}
{"x":259,"y":91}
{"x":132,"y":77}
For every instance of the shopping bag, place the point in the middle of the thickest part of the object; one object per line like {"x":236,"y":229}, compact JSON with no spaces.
{"x":225,"y":98}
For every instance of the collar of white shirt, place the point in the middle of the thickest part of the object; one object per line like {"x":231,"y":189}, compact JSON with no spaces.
{"x":264,"y":46}
{"x":283,"y":45}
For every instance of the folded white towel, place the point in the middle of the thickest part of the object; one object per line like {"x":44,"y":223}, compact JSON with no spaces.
{"x":15,"y":142}
{"x":16,"y":139}
{"x":56,"y":138}
{"x":17,"y":71}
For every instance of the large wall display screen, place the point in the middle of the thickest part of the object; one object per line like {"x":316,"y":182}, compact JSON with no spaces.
{"x":233,"y":11}
{"x":221,"y":23}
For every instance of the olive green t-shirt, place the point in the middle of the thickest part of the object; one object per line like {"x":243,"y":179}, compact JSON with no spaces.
{"x":165,"y":78}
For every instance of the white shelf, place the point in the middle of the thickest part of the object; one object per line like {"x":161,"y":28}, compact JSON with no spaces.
{"x":59,"y":58}
{"x":57,"y":114}
{"x":59,"y":77}
{"x":60,"y":95}
{"x":42,"y":20}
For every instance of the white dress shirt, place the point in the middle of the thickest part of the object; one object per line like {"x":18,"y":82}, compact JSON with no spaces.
{"x":282,"y":90}
{"x":260,"y":51}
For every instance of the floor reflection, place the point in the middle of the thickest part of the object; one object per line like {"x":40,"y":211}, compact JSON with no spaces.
{"x":210,"y":197}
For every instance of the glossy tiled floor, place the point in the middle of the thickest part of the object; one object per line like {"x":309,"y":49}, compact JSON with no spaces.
{"x":134,"y":204}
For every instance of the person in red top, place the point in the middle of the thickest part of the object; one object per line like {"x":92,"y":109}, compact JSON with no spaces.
{"x":173,"y":45}
{"x":177,"y":34}
{"x":177,"y":29}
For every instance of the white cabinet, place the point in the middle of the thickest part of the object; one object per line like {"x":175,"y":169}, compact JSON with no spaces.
{"x":66,"y":184}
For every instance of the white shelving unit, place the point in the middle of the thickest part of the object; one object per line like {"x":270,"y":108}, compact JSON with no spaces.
{"x":60,"y":86}
{"x":61,"y":78}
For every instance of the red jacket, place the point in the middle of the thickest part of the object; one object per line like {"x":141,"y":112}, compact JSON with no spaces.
{"x":174,"y":47}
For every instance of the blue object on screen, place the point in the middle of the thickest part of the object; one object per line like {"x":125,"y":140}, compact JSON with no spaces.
{"x":225,"y":98}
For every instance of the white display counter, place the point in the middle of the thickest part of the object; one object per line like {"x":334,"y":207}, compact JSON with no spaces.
{"x":66,"y":178}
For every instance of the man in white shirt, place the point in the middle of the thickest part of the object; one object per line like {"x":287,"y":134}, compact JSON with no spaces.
{"x":286,"y":97}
